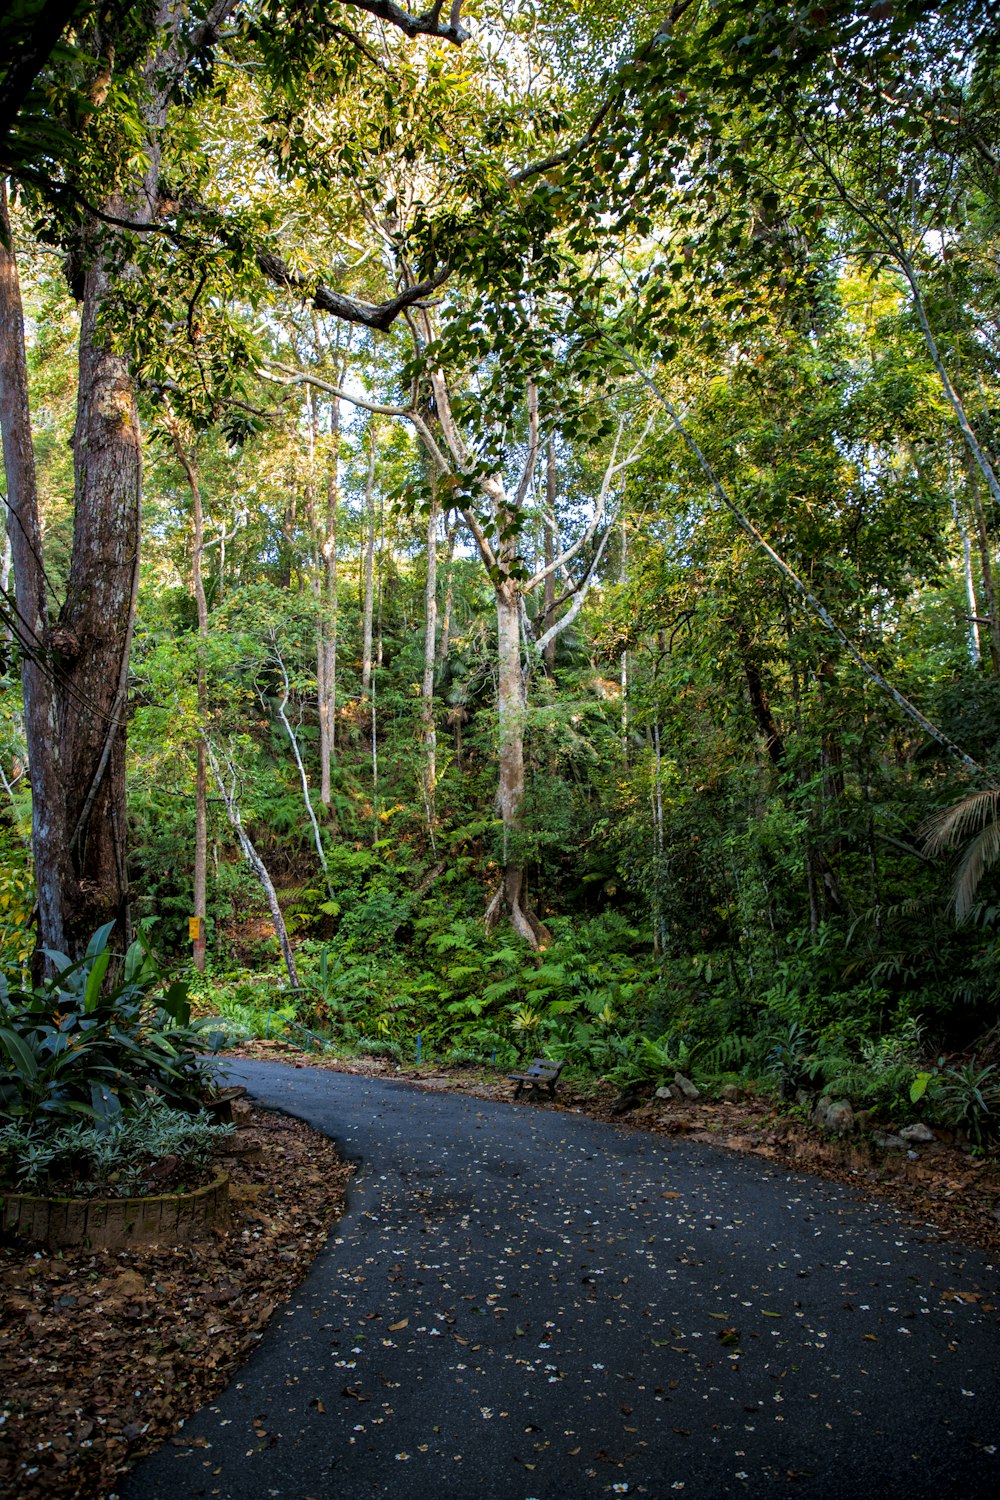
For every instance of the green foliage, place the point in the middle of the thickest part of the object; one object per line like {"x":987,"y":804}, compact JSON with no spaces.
{"x":108,"y":1160}
{"x":968,"y":1096}
{"x":721,"y":822}
{"x":83,"y":1044}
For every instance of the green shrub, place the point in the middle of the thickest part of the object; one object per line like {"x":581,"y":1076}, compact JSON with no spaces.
{"x":968,"y":1096}
{"x":107,"y":1159}
{"x":71,"y":1047}
{"x":370,"y":1046}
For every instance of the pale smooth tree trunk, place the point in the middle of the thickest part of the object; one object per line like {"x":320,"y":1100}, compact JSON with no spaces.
{"x":253,"y":859}
{"x":511,"y":710}
{"x":326,"y":645}
{"x":622,"y":579}
{"x":429,"y":769}
{"x":985,"y":561}
{"x":200,"y":894}
{"x":449,"y":592}
{"x":549,"y":584}
{"x":379,"y":584}
{"x":975,"y":642}
{"x":368,"y":570}
{"x":293,"y":741}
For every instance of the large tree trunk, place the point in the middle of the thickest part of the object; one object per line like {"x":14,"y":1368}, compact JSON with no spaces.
{"x":93,"y":636}
{"x":76,"y":703}
{"x":75,"y":676}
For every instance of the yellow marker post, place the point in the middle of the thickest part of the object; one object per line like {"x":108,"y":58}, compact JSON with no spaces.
{"x":196,"y":932}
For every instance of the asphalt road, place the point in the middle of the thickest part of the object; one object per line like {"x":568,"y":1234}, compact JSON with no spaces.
{"x":524,"y":1304}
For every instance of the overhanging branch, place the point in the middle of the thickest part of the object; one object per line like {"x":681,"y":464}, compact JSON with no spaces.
{"x":377,"y":315}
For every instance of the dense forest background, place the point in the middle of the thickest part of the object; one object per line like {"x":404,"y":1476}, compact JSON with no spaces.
{"x":566,"y":615}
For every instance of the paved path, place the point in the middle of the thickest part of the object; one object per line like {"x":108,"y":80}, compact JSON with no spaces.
{"x":523,"y":1304}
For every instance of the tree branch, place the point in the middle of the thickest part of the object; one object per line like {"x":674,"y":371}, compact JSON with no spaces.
{"x":428,"y":24}
{"x":377,"y":315}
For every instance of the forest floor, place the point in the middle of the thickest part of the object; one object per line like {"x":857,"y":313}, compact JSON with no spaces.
{"x":103,"y":1355}
{"x":945,"y":1186}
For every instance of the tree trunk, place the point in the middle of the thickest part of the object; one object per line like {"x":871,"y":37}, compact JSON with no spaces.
{"x":429,"y":769}
{"x":200,"y":894}
{"x":54,"y":879}
{"x":511,"y":707}
{"x":326,"y":646}
{"x":449,"y":592}
{"x":975,"y":642}
{"x":549,"y":586}
{"x":985,"y":561}
{"x":93,"y":636}
{"x":368,"y":570}
{"x":760,"y":703}
{"x":75,"y":708}
{"x":622,"y":580}
{"x":255,"y":862}
{"x":286,"y":690}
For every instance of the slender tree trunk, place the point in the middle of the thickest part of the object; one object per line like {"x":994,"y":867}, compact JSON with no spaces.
{"x":977,"y":457}
{"x":201,"y":769}
{"x":659,"y":845}
{"x":54,"y":878}
{"x":760,"y":703}
{"x":429,"y":769}
{"x":975,"y":643}
{"x":253,"y":859}
{"x":449,"y":591}
{"x":368,"y":569}
{"x":6,"y":565}
{"x":326,"y":645}
{"x":622,"y":580}
{"x":299,"y":764}
{"x":549,"y":586}
{"x":379,"y":583}
{"x":985,"y":560}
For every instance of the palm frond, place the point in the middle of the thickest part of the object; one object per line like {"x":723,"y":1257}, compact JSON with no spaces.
{"x":953,"y":824}
{"x":980,"y":856}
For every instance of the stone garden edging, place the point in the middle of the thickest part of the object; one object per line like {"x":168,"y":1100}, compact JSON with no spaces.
{"x":117,"y":1223}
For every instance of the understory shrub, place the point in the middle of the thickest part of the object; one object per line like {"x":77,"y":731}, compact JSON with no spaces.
{"x":107,"y":1159}
{"x":81,"y":1045}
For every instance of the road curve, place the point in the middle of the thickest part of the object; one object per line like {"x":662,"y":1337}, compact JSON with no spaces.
{"x":523,"y":1304}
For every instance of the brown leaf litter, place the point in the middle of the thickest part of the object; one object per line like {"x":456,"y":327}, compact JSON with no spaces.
{"x":102,"y":1355}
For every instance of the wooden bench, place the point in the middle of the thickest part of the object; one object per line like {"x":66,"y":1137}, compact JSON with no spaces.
{"x":541,"y":1073}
